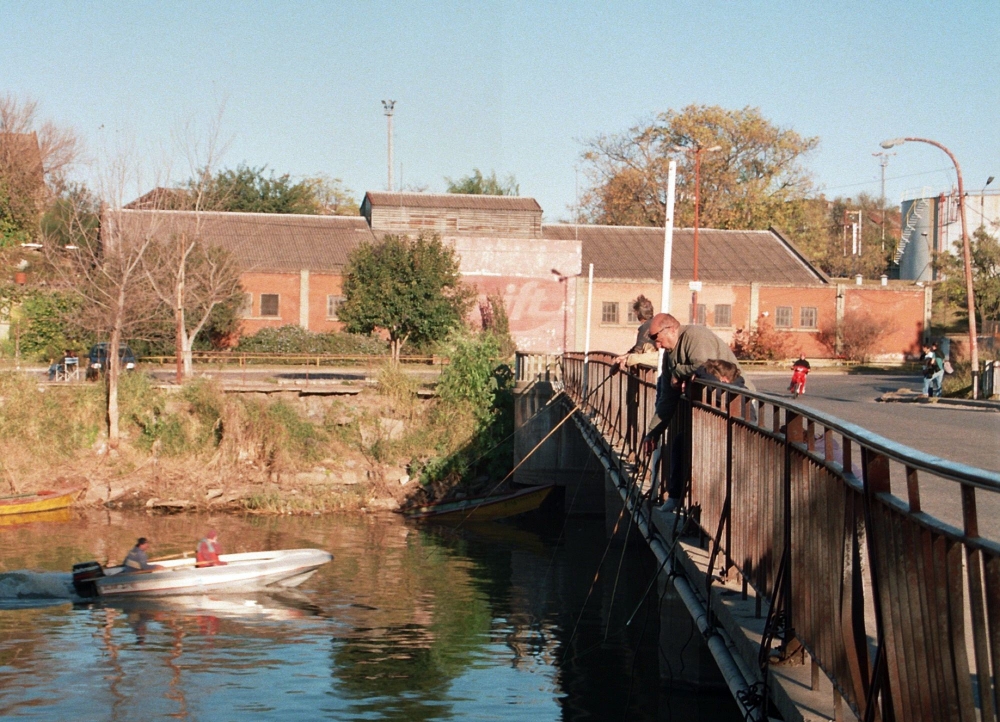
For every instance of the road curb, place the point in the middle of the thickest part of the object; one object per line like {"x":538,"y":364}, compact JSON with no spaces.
{"x":915,"y":398}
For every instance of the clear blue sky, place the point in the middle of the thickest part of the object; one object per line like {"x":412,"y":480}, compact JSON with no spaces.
{"x":512,"y":86}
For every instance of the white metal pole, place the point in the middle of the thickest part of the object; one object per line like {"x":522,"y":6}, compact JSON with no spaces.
{"x":590,"y":300}
{"x":668,"y":247}
{"x":586,"y":335}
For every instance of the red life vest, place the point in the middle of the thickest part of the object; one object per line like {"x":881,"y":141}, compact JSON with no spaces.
{"x":207,"y":554}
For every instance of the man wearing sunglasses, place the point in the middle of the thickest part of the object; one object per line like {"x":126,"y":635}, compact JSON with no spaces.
{"x":686,"y":349}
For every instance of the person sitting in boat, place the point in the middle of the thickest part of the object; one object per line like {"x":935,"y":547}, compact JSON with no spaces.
{"x":137,"y":559}
{"x":207,"y":554}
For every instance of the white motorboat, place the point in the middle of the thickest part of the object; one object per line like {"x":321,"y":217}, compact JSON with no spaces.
{"x":245,"y":572}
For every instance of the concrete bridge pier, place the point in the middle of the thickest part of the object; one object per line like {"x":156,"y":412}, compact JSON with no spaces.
{"x":564,"y":457}
{"x":683,"y":658}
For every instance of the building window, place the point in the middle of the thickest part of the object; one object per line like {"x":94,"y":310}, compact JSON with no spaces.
{"x":269,"y":304}
{"x":723,"y":314}
{"x":609,"y":312}
{"x":783,"y":317}
{"x":332,"y":304}
{"x":701,"y":318}
{"x":630,"y":316}
{"x":807,"y":317}
{"x":246,"y":306}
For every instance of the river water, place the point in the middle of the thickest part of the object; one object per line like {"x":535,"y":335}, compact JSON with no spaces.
{"x":489,"y":622}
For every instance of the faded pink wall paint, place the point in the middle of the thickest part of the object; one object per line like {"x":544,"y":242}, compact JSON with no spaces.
{"x":536,"y":308}
{"x":540,"y":307}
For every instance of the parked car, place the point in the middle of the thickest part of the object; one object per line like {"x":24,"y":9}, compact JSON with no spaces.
{"x":97,"y":359}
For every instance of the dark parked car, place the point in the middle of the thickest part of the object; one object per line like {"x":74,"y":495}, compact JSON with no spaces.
{"x":97,"y":359}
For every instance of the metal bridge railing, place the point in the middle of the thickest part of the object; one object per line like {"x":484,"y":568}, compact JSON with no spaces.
{"x":825,"y":520}
{"x":538,"y":367}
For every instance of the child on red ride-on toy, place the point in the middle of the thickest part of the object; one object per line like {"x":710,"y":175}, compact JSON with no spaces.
{"x":800,"y":369}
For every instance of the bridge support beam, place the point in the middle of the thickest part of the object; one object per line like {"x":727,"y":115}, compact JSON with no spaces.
{"x":564,"y":457}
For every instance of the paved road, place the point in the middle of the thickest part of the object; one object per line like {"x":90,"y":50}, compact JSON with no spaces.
{"x":968,"y":436}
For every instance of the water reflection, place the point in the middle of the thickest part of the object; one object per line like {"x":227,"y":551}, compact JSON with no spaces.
{"x":407,"y":623}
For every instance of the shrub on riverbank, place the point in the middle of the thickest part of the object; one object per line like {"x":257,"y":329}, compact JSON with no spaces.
{"x":477,"y":407}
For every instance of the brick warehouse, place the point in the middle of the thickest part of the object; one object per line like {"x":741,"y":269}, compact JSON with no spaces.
{"x":747,"y":276}
{"x":293,"y":269}
{"x":292,"y":264}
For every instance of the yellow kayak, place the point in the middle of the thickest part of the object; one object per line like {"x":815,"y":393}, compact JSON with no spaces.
{"x":40,"y":501}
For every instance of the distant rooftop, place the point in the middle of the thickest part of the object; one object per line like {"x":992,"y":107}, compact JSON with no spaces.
{"x":263,"y":241}
{"x":636,"y":253}
{"x":456,"y":201}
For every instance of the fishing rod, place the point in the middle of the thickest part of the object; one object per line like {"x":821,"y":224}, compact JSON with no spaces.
{"x":565,"y":418}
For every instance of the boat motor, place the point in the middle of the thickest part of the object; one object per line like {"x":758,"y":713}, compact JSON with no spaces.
{"x":85,"y":575}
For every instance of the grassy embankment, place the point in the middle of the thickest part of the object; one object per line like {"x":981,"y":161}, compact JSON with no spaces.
{"x":199,"y":448}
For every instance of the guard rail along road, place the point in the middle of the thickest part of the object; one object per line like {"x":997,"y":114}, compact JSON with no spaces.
{"x":821,"y":522}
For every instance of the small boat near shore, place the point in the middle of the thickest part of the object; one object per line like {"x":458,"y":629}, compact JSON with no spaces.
{"x":483,"y":508}
{"x":48,"y":500}
{"x":244,"y":572}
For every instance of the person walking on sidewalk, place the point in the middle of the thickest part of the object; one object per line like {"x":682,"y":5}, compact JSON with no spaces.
{"x":933,"y":371}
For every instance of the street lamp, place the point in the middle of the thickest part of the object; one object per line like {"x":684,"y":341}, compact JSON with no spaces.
{"x":966,"y":254}
{"x":982,"y":203}
{"x":388,"y":107}
{"x":564,"y":280}
{"x":695,"y":283}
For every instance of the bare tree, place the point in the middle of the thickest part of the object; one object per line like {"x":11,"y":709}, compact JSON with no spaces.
{"x":103,"y":270}
{"x":58,"y":149}
{"x":116,"y":301}
{"x":184,"y":271}
{"x":194,"y":278}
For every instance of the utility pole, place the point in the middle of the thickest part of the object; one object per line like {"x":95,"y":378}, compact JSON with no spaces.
{"x":883,"y":160}
{"x":695,"y":285}
{"x":388,"y":106}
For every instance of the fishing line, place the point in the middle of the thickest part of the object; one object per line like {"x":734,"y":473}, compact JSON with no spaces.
{"x":527,"y":456}
{"x":518,"y":466}
{"x":511,"y":435}
{"x":593,"y":582}
{"x":635,"y":658}
{"x":640,"y":472}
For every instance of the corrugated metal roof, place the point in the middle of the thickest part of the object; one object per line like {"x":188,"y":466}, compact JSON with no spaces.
{"x":631,"y":252}
{"x":263,"y":241}
{"x":458,"y":201}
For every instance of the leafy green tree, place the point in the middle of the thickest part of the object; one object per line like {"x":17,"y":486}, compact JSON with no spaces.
{"x":478,"y":184}
{"x":332,"y":197}
{"x":45,"y":333}
{"x":73,"y":218}
{"x":822,"y":229}
{"x":251,"y":190}
{"x":985,"y":253}
{"x":411,"y":289}
{"x":746,"y":184}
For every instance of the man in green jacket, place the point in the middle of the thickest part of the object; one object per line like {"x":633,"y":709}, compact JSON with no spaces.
{"x":686,"y":348}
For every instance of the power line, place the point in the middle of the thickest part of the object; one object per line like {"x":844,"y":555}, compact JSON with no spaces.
{"x":896,"y":177}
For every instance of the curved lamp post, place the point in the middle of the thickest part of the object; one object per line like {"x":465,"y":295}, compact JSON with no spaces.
{"x":966,"y":254}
